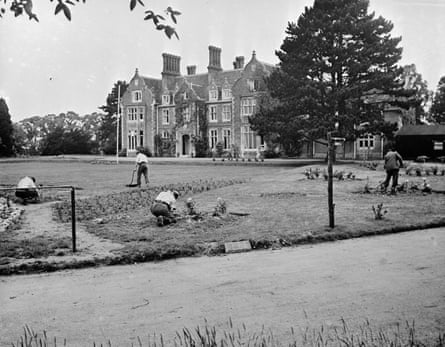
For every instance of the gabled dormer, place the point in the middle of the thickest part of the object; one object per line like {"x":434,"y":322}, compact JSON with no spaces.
{"x":213,"y":92}
{"x":166,"y":97}
{"x":226,"y":93}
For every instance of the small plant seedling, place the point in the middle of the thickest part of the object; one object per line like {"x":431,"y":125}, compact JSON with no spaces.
{"x":379,"y":212}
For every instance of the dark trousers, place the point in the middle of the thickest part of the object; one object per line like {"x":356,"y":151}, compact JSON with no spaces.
{"x":394,"y":175}
{"x":142,"y":170}
{"x":26,"y":194}
{"x":161,"y":209}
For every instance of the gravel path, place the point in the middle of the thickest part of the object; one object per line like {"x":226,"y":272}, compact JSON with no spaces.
{"x":386,"y":279}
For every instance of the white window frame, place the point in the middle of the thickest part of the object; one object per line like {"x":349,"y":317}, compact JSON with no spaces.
{"x":227,"y":138}
{"x":213,"y":138}
{"x":186,"y":114}
{"x":132,"y":113}
{"x":366,"y":141}
{"x":166,"y":99}
{"x":132,"y":140}
{"x":136,"y":96}
{"x":247,"y":108}
{"x":226,"y":93}
{"x":248,"y":137}
{"x":213,"y":118}
{"x":213,"y":94}
{"x":165,"y":134}
{"x":141,"y":113}
{"x":165,"y":116}
{"x":226,"y":113}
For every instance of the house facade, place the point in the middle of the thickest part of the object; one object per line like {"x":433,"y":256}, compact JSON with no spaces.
{"x":175,"y":114}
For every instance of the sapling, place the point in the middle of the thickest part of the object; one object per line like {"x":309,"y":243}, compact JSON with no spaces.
{"x":379,"y":212}
{"x":220,"y":208}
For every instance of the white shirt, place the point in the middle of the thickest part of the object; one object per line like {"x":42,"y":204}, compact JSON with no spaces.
{"x":26,"y":182}
{"x":141,"y":158}
{"x":168,"y":198}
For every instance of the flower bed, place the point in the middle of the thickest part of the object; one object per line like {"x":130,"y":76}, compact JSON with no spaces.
{"x":99,"y":206}
{"x":9,"y":214}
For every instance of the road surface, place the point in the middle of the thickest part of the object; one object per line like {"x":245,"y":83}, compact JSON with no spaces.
{"x":386,"y":279}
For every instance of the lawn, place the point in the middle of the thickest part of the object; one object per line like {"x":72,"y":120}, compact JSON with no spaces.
{"x":280,"y":206}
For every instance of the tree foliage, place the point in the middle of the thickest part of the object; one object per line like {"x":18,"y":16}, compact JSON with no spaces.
{"x":30,"y":133}
{"x":438,"y":107}
{"x":107,"y":129}
{"x":72,"y":141}
{"x":6,"y":130}
{"x":335,"y":53}
{"x":416,"y":90}
{"x":25,"y":7}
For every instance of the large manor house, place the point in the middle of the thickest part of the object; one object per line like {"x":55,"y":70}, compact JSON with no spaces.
{"x":172,"y":114}
{"x":205,"y":114}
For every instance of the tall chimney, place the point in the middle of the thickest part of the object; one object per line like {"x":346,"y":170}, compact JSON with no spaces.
{"x":171,"y":64}
{"x":238,"y":63}
{"x":191,"y":70}
{"x":214,"y":59}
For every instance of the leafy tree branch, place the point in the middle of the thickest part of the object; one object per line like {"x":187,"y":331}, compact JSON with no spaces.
{"x":25,"y":7}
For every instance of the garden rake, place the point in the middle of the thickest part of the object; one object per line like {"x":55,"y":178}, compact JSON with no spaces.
{"x":131,"y":184}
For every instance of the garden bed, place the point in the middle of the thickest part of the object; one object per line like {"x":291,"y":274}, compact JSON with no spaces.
{"x":271,"y":210}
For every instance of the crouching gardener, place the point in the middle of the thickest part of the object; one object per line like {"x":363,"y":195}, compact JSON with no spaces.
{"x":27,"y":189}
{"x":164,"y":207}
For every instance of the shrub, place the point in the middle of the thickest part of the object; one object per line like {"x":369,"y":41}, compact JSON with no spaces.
{"x":378,"y":211}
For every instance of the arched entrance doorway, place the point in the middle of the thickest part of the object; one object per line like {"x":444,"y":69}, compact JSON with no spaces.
{"x":185,"y":144}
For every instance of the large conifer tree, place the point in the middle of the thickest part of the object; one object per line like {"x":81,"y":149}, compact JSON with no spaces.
{"x":6,"y":130}
{"x":438,"y":106}
{"x":335,"y":53}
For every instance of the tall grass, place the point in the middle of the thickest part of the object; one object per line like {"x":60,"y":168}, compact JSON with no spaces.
{"x":209,"y":336}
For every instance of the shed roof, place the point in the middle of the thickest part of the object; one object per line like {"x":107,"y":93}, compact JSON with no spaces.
{"x":421,"y":130}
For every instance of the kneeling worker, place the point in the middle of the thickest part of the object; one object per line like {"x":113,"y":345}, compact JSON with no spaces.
{"x":27,"y":189}
{"x":164,"y":207}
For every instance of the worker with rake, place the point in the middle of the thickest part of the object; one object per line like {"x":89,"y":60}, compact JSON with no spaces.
{"x":141,"y":166}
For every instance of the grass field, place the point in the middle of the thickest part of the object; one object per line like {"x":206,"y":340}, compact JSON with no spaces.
{"x":282,"y":207}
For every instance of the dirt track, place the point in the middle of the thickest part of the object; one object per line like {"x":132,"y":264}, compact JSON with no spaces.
{"x":386,"y":279}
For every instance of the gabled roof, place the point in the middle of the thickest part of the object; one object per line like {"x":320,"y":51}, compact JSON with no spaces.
{"x":417,"y":130}
{"x":153,"y":83}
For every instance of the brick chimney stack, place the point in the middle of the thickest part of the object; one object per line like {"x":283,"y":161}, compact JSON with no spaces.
{"x":191,"y":70}
{"x":238,"y":63}
{"x":214,"y":59}
{"x":171,"y":65}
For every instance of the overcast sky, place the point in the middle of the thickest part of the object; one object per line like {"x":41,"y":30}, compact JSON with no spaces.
{"x":57,"y":66}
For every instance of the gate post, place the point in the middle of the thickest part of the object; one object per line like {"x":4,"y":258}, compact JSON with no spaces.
{"x":73,"y":217}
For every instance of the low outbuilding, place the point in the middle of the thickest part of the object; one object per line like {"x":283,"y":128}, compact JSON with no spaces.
{"x":413,"y":141}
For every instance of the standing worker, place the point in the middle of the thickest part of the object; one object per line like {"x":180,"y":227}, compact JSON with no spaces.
{"x":141,"y":166}
{"x":393,"y":162}
{"x":164,"y":207}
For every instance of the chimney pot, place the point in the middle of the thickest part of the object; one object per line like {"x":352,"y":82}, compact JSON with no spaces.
{"x":191,"y":70}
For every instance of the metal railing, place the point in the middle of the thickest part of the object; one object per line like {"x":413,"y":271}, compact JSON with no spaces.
{"x":73,"y":206}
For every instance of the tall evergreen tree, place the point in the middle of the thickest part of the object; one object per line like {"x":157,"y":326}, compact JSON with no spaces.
{"x":335,"y":53}
{"x":438,"y":107}
{"x":6,"y":130}
{"x":107,"y":130}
